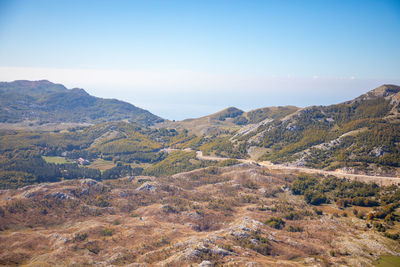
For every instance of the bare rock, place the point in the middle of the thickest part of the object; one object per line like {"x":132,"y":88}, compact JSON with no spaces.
{"x":148,"y":187}
{"x":220,"y":252}
{"x":60,"y":196}
{"x":205,"y":264}
{"x":89,"y":182}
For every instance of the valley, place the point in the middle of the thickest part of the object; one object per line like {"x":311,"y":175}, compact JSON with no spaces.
{"x":276,"y":186}
{"x":199,"y":133}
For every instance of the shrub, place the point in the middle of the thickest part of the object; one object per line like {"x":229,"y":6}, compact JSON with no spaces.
{"x":318,"y":212}
{"x":80,"y":236}
{"x":364,"y":202}
{"x":293,"y":216}
{"x":343,"y":202}
{"x":250,"y":184}
{"x":101,"y":202}
{"x":393,"y":236}
{"x":261,"y":244}
{"x":275,"y":222}
{"x":314,"y":197}
{"x":380,"y":227}
{"x":93,"y":247}
{"x":107,"y":232}
{"x":143,"y":180}
{"x":295,"y":229}
{"x":361,"y":215}
{"x":389,"y":218}
{"x":302,"y":183}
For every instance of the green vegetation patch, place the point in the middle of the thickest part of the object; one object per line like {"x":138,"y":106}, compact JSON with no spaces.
{"x":320,"y":190}
{"x":176,"y":162}
{"x":222,"y":146}
{"x":388,"y":261}
{"x":56,"y":160}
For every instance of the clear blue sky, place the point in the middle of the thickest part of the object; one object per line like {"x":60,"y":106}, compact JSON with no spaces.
{"x":189,"y":58}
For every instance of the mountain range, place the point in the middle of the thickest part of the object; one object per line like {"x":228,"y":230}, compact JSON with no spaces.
{"x":120,"y":186}
{"x":358,"y":135}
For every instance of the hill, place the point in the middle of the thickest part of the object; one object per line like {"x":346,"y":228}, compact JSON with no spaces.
{"x":357,"y":135}
{"x":228,"y":120}
{"x":46,"y":102}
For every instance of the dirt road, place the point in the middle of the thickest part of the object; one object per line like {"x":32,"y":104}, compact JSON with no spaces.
{"x":380,"y":180}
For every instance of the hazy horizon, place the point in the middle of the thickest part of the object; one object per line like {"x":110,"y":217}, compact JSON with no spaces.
{"x":182,"y":59}
{"x":214,"y":101}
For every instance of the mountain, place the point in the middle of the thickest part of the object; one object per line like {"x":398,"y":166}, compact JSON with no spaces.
{"x":47,"y":102}
{"x":229,"y":119}
{"x":363,"y":133}
{"x":261,"y":114}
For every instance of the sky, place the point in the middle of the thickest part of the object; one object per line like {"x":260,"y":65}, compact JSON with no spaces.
{"x":182,"y":59}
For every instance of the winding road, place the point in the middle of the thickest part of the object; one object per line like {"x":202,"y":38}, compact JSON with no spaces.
{"x":380,"y":180}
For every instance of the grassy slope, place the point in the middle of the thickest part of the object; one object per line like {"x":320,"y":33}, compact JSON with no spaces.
{"x":388,"y":261}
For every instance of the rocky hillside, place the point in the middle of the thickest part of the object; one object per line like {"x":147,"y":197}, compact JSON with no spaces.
{"x":208,"y":217}
{"x":46,"y":102}
{"x":359,"y":134}
{"x":229,"y":120}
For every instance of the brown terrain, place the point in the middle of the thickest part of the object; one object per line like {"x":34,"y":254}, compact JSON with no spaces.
{"x":207,"y":217}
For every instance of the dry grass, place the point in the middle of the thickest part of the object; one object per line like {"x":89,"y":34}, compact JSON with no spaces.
{"x":101,"y":164}
{"x":214,"y":214}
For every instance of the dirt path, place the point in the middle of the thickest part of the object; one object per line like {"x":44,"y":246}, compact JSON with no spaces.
{"x":380,"y":180}
{"x":200,"y":156}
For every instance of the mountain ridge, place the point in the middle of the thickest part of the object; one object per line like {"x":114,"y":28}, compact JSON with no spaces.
{"x":359,"y":134}
{"x":48,"y":102}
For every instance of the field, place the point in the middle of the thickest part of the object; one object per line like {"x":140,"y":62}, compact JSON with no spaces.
{"x":56,"y":160}
{"x":388,"y":261}
{"x":101,"y":164}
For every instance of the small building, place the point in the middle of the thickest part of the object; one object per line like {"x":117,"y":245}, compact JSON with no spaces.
{"x":82,"y":161}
